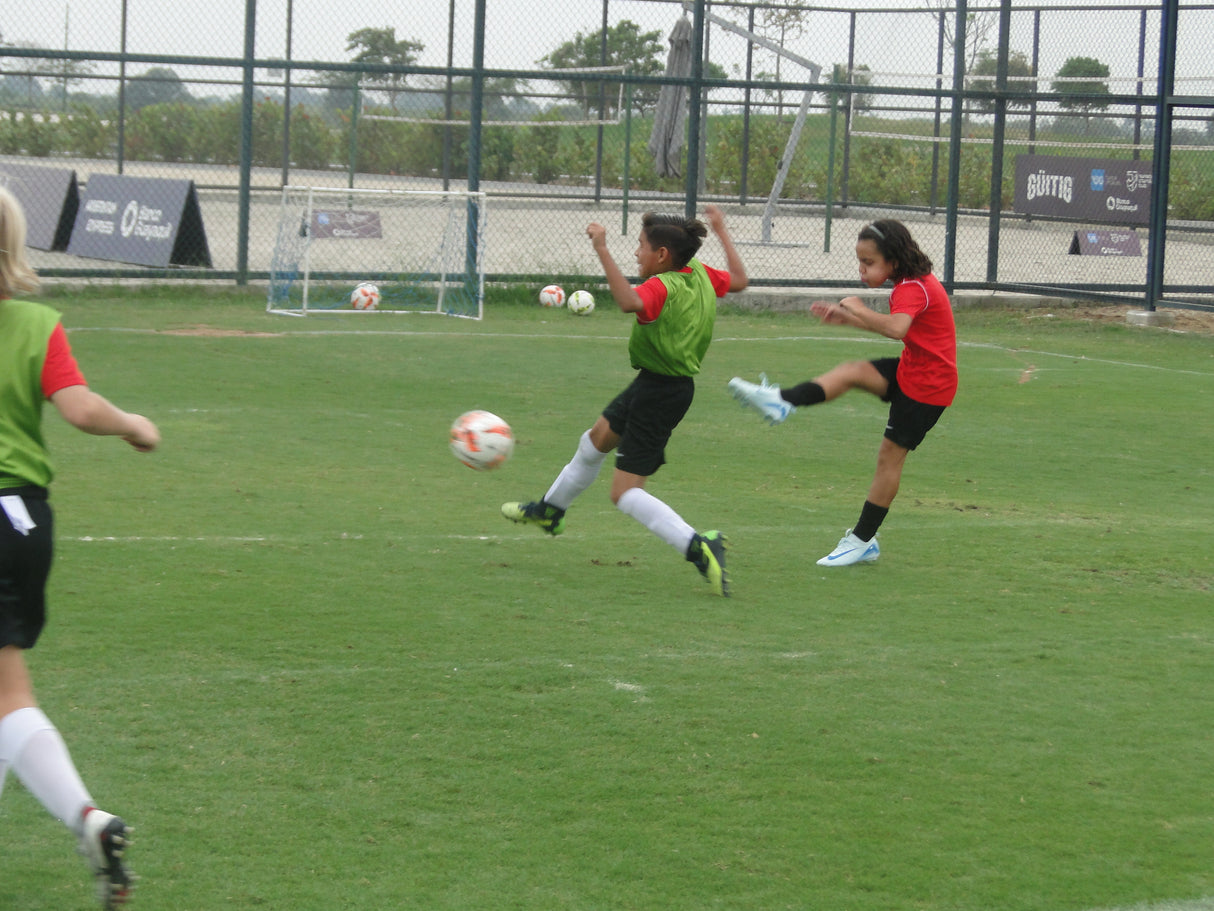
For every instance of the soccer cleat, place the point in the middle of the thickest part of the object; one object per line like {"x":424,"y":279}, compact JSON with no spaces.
{"x":763,"y":397}
{"x":851,"y":550}
{"x":103,"y":842}
{"x":549,"y":518}
{"x":707,"y":552}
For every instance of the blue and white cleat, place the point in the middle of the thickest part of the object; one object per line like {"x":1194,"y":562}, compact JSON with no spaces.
{"x":852,"y":550}
{"x":763,"y":397}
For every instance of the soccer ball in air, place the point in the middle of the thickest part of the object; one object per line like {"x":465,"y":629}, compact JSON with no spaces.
{"x":581,"y":303}
{"x":481,"y":440}
{"x":552,"y":296}
{"x":365,"y":297}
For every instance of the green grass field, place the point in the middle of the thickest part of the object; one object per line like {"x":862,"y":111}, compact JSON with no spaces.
{"x":302,"y":653}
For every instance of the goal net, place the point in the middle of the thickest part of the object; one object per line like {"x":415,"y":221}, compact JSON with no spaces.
{"x":423,"y":250}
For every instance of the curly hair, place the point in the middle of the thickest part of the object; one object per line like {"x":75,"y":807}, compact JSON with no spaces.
{"x":679,"y":234}
{"x":895,"y":244}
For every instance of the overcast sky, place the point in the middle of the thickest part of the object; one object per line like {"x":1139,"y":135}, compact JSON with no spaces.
{"x":520,"y":32}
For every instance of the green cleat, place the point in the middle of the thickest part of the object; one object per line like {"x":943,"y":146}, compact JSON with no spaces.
{"x":549,"y":518}
{"x":707,"y":552}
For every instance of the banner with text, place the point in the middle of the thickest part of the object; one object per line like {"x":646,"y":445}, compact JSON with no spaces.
{"x":1105,"y":190}
{"x":142,"y":220}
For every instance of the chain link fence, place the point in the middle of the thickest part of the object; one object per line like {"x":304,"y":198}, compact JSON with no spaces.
{"x":973,"y":125}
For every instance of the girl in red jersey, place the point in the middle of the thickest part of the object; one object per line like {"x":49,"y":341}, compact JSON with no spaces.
{"x":918,"y":385}
{"x":36,"y":366}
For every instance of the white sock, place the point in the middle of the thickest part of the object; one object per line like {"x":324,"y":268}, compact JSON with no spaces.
{"x":657,"y":517}
{"x":35,"y":750}
{"x":579,"y":474}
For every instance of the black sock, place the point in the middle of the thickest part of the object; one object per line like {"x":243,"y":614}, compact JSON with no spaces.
{"x":809,"y":393}
{"x":871,"y":517}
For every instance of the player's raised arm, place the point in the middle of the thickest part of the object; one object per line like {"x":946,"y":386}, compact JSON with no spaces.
{"x":738,"y":279}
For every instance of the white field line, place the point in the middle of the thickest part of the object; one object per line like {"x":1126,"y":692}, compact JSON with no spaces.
{"x":618,"y":338}
{"x":1197,"y":904}
{"x":160,"y":539}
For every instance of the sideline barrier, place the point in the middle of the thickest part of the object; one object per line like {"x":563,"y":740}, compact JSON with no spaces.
{"x":142,"y":220}
{"x":50,"y":198}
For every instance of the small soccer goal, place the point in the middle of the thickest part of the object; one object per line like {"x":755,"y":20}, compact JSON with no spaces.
{"x":422,"y":251}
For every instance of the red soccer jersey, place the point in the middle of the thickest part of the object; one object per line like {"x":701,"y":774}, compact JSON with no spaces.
{"x":60,"y":369}
{"x":927,"y":370}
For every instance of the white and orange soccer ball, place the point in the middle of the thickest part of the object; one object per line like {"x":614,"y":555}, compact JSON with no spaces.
{"x":365,"y":297}
{"x":481,"y":440}
{"x":552,"y":296}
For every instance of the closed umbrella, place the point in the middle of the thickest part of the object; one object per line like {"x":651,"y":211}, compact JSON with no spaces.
{"x":666,"y":141}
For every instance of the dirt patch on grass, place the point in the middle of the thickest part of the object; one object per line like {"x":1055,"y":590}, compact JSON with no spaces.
{"x":213,"y":332}
{"x":1199,"y":322}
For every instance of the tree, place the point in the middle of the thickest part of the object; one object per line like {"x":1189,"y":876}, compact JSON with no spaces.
{"x":62,"y":71}
{"x":861,"y":102}
{"x":159,"y":85}
{"x":978,"y":28}
{"x":641,"y":52}
{"x":780,"y":24}
{"x":1082,"y":76}
{"x":982,"y":78}
{"x":381,"y":46}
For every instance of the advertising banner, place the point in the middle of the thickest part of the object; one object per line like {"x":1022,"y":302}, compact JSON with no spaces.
{"x":142,"y":220}
{"x":49,"y":196}
{"x":1096,"y":242}
{"x":348,"y":223}
{"x":1102,"y":190}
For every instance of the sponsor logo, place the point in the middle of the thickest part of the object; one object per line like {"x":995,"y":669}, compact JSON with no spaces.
{"x":1056,"y":186}
{"x":1137,"y":180}
{"x":145,"y":222}
{"x":1097,"y":179}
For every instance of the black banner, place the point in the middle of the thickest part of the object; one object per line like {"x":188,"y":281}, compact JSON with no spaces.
{"x":49,"y":196}
{"x":1096,"y":242}
{"x":142,"y":220}
{"x":1103,"y":190}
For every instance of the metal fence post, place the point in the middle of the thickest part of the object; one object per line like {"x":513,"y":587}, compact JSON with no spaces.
{"x":246,"y":144}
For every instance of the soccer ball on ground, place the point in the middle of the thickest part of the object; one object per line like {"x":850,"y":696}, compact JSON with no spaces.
{"x":481,"y":440}
{"x":365,"y":297}
{"x":552,"y":296}
{"x":581,"y":303}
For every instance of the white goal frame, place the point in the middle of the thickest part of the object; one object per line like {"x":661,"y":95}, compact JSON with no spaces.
{"x":423,"y":249}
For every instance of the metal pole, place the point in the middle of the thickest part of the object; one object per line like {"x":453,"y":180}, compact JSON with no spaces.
{"x":997,"y":137}
{"x":830,"y":169}
{"x":1142,"y":55}
{"x":598,"y":146}
{"x":627,"y":152}
{"x":932,"y":204}
{"x":286,"y":101}
{"x":1036,"y":85}
{"x":448,"y":101}
{"x":1161,"y":163}
{"x":122,"y":94}
{"x":355,"y":106}
{"x":694,"y":93}
{"x":847,"y":110}
{"x":246,"y":144}
{"x":476,"y":113}
{"x":750,"y":58}
{"x":954,"y":148}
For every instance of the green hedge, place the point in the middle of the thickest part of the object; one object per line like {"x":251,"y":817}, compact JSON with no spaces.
{"x":880,"y":170}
